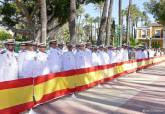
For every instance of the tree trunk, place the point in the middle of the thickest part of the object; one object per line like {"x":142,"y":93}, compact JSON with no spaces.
{"x":95,"y":31}
{"x":72,"y":21}
{"x":133,"y":26}
{"x":128,"y":23}
{"x":109,"y":22}
{"x":79,"y":27}
{"x":91,"y":36}
{"x":120,"y":22}
{"x":43,"y":21}
{"x":103,"y":23}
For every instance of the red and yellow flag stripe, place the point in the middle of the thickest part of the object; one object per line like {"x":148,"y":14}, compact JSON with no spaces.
{"x":20,"y":95}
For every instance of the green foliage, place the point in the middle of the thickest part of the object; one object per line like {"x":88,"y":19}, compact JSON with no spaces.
{"x":133,"y":42}
{"x":94,"y":1}
{"x":21,"y":38}
{"x":156,"y":7}
{"x":4,"y":35}
{"x":117,"y":39}
{"x":9,"y":10}
{"x":135,"y":13}
{"x":155,"y":45}
{"x":66,"y":35}
{"x":60,"y":9}
{"x":26,"y":17}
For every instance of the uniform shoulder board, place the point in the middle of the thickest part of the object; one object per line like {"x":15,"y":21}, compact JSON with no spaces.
{"x":3,"y":51}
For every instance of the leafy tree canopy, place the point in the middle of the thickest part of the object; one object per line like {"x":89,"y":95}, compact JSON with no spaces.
{"x":23,"y":16}
{"x":4,"y":35}
{"x":156,"y":7}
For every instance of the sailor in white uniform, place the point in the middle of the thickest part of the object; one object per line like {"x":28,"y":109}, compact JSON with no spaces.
{"x":138,"y":53}
{"x":112,"y":54}
{"x":29,"y":61}
{"x":8,"y":62}
{"x":103,"y":56}
{"x":80,"y":56}
{"x":95,"y":58}
{"x":68,"y":59}
{"x":54,"y":57}
{"x":125,"y":53}
{"x":21,"y":55}
{"x":42,"y":67}
{"x":23,"y":47}
{"x":144,"y":53}
{"x":60,"y":48}
{"x":88,"y":55}
{"x":119,"y":55}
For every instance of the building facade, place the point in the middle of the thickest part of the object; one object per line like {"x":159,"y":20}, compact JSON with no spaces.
{"x":152,"y":35}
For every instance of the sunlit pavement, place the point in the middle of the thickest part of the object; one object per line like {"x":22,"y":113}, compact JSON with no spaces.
{"x":137,"y":93}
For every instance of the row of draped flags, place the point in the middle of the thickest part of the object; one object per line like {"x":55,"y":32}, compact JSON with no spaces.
{"x":20,"y":95}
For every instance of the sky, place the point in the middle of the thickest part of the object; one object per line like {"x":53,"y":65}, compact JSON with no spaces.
{"x":90,"y":9}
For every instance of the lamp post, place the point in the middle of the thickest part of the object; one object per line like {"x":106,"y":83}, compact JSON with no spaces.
{"x":150,"y":42}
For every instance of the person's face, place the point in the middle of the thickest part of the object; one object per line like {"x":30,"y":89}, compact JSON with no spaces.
{"x":35,"y":47}
{"x":101,"y":48}
{"x":95,"y":50}
{"x":30,"y":48}
{"x":88,"y":46}
{"x":105,"y":49}
{"x":10,"y":47}
{"x":82,"y":47}
{"x":23,"y":47}
{"x":42,"y":49}
{"x":53,"y":45}
{"x":70,"y":48}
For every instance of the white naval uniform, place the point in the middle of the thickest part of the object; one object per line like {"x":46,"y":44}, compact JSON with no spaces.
{"x":80,"y":59}
{"x":95,"y":59}
{"x":28,"y":65}
{"x":21,"y":57}
{"x":146,"y":53}
{"x":112,"y":56}
{"x":138,"y":54}
{"x":152,"y":53}
{"x":104,"y":58}
{"x":68,"y":61}
{"x":54,"y":60}
{"x":60,"y":51}
{"x":125,"y":55}
{"x":8,"y":66}
{"x":88,"y":58}
{"x":119,"y":56}
{"x":41,"y":64}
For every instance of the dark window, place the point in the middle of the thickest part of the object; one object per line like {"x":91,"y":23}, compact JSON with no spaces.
{"x":157,"y":33}
{"x":144,"y":34}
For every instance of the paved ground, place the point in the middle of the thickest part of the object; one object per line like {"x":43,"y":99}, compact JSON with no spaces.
{"x":138,"y":93}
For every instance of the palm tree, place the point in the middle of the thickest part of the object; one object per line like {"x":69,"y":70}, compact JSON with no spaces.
{"x":144,"y":18}
{"x":87,"y":16}
{"x":79,"y":12}
{"x":109,"y":22}
{"x":103,"y":23}
{"x":43,"y":20}
{"x":96,"y":26}
{"x":91,"y":29}
{"x":72,"y":21}
{"x":100,"y":6}
{"x":134,"y":15}
{"x":120,"y":21}
{"x":128,"y":23}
